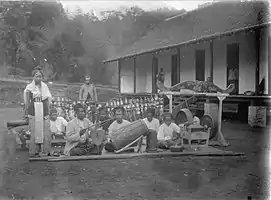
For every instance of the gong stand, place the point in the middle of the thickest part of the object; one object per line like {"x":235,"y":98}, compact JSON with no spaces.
{"x":219,"y":140}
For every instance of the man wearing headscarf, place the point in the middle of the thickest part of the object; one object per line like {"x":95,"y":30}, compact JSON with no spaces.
{"x":78,"y":135}
{"x":88,"y":91}
{"x":37,"y":99}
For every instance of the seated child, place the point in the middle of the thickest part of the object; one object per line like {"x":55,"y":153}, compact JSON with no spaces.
{"x":196,"y":120}
{"x":169,"y":134}
{"x":57,"y":124}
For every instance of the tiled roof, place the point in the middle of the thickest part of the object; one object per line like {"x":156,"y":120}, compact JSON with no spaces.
{"x":214,"y":19}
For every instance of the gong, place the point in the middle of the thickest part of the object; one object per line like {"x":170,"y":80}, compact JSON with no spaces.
{"x":184,"y":115}
{"x":210,"y":123}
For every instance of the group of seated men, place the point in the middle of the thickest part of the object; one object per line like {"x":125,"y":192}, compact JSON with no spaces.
{"x":78,"y":138}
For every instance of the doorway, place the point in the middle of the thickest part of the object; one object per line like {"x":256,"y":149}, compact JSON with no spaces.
{"x":175,"y":70}
{"x":233,"y":66}
{"x":200,"y":65}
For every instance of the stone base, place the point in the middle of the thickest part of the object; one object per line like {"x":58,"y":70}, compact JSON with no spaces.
{"x":211,"y":109}
{"x":257,"y":116}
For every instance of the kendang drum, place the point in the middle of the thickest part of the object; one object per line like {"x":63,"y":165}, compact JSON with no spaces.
{"x":128,"y":134}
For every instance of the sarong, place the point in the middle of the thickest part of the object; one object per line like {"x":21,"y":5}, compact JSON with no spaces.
{"x":45,"y":146}
{"x":38,"y":122}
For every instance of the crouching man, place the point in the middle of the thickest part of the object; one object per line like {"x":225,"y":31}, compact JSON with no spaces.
{"x":78,"y":140}
{"x":169,"y":133}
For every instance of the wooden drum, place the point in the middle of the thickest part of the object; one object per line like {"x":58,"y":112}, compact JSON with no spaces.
{"x":183,"y":116}
{"x":211,"y":123}
{"x":128,"y":134}
{"x":14,"y":124}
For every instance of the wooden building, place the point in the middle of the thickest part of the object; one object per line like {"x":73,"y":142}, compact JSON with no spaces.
{"x":227,"y":41}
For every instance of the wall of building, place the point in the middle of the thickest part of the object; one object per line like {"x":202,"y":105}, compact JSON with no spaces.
{"x":144,"y":73}
{"x":127,"y":76}
{"x":247,"y":64}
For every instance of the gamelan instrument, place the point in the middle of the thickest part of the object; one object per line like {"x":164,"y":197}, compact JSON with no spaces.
{"x":17,"y":123}
{"x":128,"y":134}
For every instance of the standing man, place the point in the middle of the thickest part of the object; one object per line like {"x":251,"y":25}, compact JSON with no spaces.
{"x":88,"y":91}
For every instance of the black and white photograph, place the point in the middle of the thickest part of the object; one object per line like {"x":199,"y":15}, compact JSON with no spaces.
{"x":135,"y":100}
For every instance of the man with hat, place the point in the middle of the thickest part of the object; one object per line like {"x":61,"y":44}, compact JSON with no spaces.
{"x":88,"y":91}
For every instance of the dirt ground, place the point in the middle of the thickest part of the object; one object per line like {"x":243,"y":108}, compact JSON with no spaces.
{"x":169,"y":178}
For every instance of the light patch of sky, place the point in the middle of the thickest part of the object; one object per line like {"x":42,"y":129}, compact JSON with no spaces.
{"x":101,"y":5}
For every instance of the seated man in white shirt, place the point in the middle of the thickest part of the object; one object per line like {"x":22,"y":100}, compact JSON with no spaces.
{"x":169,"y":133}
{"x":57,"y":124}
{"x":153,"y":125}
{"x":115,"y":126}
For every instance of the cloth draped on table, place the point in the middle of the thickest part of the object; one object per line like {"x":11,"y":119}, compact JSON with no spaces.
{"x":38,"y":100}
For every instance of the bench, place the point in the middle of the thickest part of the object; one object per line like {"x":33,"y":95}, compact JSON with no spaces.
{"x":226,"y":107}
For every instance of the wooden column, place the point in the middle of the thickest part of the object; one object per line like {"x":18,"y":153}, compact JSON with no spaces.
{"x":211,"y":72}
{"x":257,"y":69}
{"x":269,"y":65}
{"x":134,"y":74}
{"x":178,"y":64}
{"x":154,"y":73}
{"x":257,"y":48}
{"x":119,"y":74}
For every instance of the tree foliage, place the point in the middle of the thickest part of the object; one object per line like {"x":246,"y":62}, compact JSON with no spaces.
{"x":68,"y":47}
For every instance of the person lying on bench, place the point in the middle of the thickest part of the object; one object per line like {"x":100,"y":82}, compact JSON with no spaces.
{"x":57,"y":125}
{"x":116,"y":125}
{"x":78,"y":142}
{"x":169,"y":133}
{"x":190,"y":87}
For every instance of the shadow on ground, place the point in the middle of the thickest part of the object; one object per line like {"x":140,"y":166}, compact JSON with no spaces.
{"x":168,"y":178}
